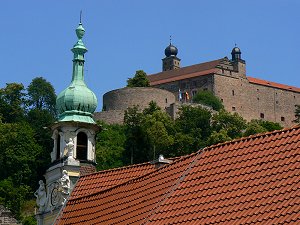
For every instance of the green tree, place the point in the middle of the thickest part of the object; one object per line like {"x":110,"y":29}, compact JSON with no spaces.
{"x":19,"y":153}
{"x":209,"y":99}
{"x":13,"y":196}
{"x":110,"y":146}
{"x":183,"y":145}
{"x":41,"y":100}
{"x":148,"y":133}
{"x":233,"y":124}
{"x":41,"y":95}
{"x":12,"y":103}
{"x":253,"y":127}
{"x":157,"y":128}
{"x":139,"y":80}
{"x":261,"y":126}
{"x":135,"y":151}
{"x":194,"y":121}
{"x":297,"y":114}
{"x":151,"y":108}
{"x":218,"y":137}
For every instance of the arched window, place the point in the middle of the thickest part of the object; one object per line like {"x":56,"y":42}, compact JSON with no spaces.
{"x":82,"y":142}
{"x":57,"y":146}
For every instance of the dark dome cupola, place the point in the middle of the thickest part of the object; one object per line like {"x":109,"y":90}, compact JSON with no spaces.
{"x":236,"y":53}
{"x":171,"y":62}
{"x":171,"y":50}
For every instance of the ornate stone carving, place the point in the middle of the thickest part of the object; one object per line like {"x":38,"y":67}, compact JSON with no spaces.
{"x":41,"y":196}
{"x":65,"y":186}
{"x":70,"y":148}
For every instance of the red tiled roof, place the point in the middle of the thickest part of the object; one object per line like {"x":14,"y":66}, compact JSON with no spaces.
{"x":272,"y":84}
{"x":87,"y":169}
{"x":246,"y":181}
{"x":184,"y":72}
{"x":103,"y":180}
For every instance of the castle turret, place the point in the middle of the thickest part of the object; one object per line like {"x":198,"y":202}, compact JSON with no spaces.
{"x":239,"y":65}
{"x":171,"y":62}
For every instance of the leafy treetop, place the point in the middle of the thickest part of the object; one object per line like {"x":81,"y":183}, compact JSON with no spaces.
{"x":209,"y":99}
{"x":139,"y":80}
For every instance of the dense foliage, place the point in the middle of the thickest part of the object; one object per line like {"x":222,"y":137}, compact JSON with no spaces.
{"x":25,"y":143}
{"x":139,"y":80}
{"x":147,"y":134}
{"x":209,"y":99}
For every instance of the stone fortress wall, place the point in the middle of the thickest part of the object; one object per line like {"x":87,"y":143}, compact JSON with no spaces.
{"x":115,"y":102}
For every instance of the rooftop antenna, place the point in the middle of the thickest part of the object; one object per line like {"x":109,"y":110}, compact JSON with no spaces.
{"x":80,"y":16}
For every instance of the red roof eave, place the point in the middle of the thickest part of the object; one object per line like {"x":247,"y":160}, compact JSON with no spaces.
{"x":272,"y":84}
{"x":184,"y":76}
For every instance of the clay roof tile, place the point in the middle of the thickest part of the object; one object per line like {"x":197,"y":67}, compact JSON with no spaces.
{"x":245,"y":181}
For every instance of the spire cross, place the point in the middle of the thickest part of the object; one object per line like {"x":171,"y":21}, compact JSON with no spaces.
{"x":80,"y":16}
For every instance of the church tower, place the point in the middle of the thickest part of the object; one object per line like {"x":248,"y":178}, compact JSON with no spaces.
{"x":74,"y":133}
{"x":171,"y":62}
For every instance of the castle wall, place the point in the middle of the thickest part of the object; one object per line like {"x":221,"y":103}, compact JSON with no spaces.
{"x":253,"y":101}
{"x":110,"y":117}
{"x":191,"y":86}
{"x":117,"y":101}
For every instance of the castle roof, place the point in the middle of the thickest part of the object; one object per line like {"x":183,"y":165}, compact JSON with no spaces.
{"x":184,"y":72}
{"x":272,"y":84}
{"x":245,"y":181}
{"x":204,"y":69}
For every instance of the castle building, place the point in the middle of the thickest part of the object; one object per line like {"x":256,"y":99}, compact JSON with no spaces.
{"x":250,"y":97}
{"x":74,"y":133}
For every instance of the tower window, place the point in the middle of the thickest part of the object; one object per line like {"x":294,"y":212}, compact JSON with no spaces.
{"x":233,"y":108}
{"x":58,"y":146}
{"x":282,"y":119}
{"x":262,"y":116}
{"x":166,"y":100}
{"x":81,"y":146}
{"x":232,"y":92}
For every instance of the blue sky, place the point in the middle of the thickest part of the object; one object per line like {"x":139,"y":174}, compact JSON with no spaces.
{"x":125,"y":36}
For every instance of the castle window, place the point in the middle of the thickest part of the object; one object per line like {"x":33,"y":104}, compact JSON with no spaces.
{"x":230,"y":72}
{"x":194,"y":92}
{"x":257,"y":89}
{"x":232,"y":92}
{"x":166,"y":100}
{"x":262,"y":116}
{"x":58,"y":146}
{"x":257,"y":98}
{"x":282,"y":119}
{"x":276,"y":102}
{"x":82,"y":144}
{"x":233,"y":108}
{"x":204,"y":89}
{"x":222,"y":100}
{"x":222,"y":70}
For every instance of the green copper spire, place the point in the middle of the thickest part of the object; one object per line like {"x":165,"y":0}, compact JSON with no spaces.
{"x":77,"y":102}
